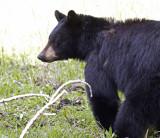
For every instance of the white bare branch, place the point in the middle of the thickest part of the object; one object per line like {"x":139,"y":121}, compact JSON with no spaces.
{"x":24,"y":96}
{"x":58,"y":93}
{"x":52,"y":100}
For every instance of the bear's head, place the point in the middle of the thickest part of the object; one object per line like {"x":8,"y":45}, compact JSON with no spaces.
{"x":63,"y":39}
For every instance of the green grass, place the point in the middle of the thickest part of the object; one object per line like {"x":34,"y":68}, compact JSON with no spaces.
{"x":19,"y":75}
{"x":73,"y":119}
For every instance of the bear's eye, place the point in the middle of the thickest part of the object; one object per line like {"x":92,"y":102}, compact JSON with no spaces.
{"x":49,"y":38}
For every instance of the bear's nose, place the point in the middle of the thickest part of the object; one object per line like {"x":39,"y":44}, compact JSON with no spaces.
{"x":41,"y":57}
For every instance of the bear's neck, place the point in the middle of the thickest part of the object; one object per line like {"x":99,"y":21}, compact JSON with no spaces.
{"x":90,"y":39}
{"x":87,"y":44}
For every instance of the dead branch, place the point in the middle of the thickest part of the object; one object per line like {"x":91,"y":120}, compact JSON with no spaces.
{"x":24,"y":96}
{"x":52,"y":100}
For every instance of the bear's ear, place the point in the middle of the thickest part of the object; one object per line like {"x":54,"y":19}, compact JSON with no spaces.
{"x":59,"y":15}
{"x":73,"y":18}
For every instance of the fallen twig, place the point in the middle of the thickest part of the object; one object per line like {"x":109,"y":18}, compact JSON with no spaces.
{"x":49,"y":114}
{"x":39,"y":113}
{"x":71,"y":82}
{"x":146,"y":135}
{"x":52,"y":100}
{"x":24,"y":96}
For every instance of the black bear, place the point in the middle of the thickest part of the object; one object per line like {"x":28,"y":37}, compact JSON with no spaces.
{"x":119,"y":55}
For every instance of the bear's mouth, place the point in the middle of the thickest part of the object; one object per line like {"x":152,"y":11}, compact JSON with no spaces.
{"x":52,"y":60}
{"x":43,"y":58}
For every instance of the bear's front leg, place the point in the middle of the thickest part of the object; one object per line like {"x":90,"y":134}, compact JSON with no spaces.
{"x":105,"y":101}
{"x":104,"y":111}
{"x":131,"y":121}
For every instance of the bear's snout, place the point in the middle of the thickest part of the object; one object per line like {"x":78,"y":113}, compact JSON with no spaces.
{"x":48,"y":54}
{"x":41,"y":57}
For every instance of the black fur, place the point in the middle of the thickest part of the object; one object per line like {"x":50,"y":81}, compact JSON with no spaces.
{"x":119,"y":56}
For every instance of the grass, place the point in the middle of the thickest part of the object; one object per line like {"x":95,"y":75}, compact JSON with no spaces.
{"x":73,"y":116}
{"x":73,"y":119}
